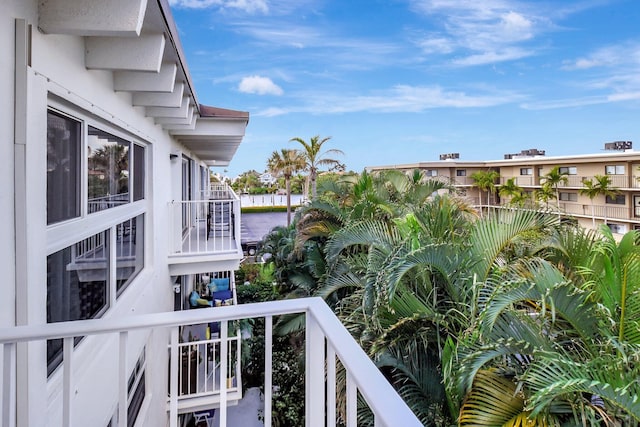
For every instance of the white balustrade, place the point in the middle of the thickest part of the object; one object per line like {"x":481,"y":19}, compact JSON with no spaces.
{"x":327,"y":343}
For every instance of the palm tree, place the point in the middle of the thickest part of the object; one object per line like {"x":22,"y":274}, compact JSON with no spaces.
{"x":485,"y":181}
{"x":556,"y":338}
{"x":600,"y":185}
{"x":286,"y":163}
{"x":314,"y":158}
{"x":512,"y":190}
{"x":553,"y":179}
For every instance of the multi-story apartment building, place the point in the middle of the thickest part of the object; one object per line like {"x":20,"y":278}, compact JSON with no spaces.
{"x":109,"y":224}
{"x":527,"y":169}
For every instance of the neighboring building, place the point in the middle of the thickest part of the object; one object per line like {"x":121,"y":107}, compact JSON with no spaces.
{"x":108,"y":223}
{"x":622,"y":165}
{"x":267,"y":179}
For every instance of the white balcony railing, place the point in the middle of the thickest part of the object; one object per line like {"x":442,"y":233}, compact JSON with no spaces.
{"x":207,"y":226}
{"x":327,"y":342}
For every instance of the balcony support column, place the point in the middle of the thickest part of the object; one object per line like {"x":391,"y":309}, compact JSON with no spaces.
{"x":314,"y":375}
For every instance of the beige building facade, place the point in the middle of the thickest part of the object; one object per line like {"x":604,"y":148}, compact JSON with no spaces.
{"x":620,"y":211}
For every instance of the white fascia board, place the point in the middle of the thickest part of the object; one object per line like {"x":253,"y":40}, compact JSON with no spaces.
{"x":181,"y":112}
{"x":92,"y":18}
{"x":138,"y":81}
{"x":143,"y":53}
{"x":204,"y":127}
{"x":159,"y":99}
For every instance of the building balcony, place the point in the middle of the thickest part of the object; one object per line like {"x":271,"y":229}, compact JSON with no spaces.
{"x":596,"y":211}
{"x":205,"y":231}
{"x":328,"y":348}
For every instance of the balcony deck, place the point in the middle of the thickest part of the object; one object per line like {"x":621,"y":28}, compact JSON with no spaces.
{"x":204,"y":231}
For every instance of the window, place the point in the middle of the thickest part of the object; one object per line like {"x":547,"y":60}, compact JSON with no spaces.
{"x":617,"y":228}
{"x":568,"y":170}
{"x":108,"y":170}
{"x":77,"y":286}
{"x":136,"y":390}
{"x":129,"y":251}
{"x":526,"y":171}
{"x":431,"y":172}
{"x":461,"y":172}
{"x":618,"y":199}
{"x":568,"y":197}
{"x":138,"y":172}
{"x":63,"y":167}
{"x":614,"y":170}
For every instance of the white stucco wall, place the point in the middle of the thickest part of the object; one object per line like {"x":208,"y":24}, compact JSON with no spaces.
{"x":58,"y":68}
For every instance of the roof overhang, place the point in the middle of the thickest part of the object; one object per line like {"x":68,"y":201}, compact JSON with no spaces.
{"x":137,"y":40}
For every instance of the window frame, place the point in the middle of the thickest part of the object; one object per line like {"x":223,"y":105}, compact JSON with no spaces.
{"x":79,"y":175}
{"x":61,"y":235}
{"x":618,"y":199}
{"x":616,"y":169}
{"x":567,"y":196}
{"x":568,"y":170}
{"x":527,"y":171}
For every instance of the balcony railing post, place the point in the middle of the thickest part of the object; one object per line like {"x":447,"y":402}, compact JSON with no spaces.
{"x":173,"y":378}
{"x":352,"y":401}
{"x":314,"y":375}
{"x":331,"y":386}
{"x":67,"y":381}
{"x":224,"y":370}
{"x":7,"y":412}
{"x":123,"y":379}
{"x":268,"y":369}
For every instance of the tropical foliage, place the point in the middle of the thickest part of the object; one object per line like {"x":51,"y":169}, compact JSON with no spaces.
{"x":512,"y":319}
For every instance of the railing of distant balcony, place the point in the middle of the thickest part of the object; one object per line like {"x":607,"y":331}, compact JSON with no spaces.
{"x":101,"y":203}
{"x":598,"y":211}
{"x":200,"y":370}
{"x":206,"y":226}
{"x":327,"y":343}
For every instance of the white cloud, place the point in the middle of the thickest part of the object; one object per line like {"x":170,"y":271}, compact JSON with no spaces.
{"x":481,"y":32}
{"x":259,"y":85}
{"x":399,"y":99}
{"x":608,"y":56}
{"x":249,"y":6}
{"x":508,"y":54}
{"x":436,"y":44}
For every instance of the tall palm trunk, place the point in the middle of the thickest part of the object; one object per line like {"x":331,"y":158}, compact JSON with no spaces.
{"x":287,"y":181}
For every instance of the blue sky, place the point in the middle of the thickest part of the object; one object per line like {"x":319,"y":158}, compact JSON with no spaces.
{"x":401,"y":81}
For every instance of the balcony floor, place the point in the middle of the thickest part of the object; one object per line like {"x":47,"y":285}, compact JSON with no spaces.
{"x":196,"y":241}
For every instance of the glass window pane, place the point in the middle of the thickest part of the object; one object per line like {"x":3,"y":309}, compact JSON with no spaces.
{"x":108,"y":170}
{"x":77,"y":289}
{"x":129,"y":251}
{"x":63,"y":168}
{"x":139,"y":178}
